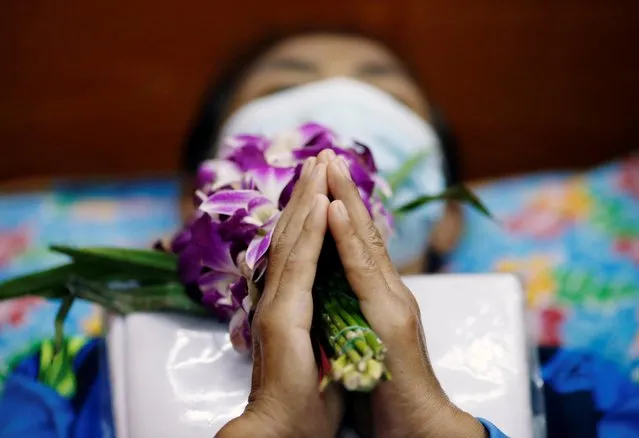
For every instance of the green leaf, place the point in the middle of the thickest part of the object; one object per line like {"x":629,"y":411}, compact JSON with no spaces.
{"x":458,"y":193}
{"x":121,"y":258}
{"x":161,"y":297}
{"x":50,"y":283}
{"x":167,"y":296}
{"x":395,"y":180}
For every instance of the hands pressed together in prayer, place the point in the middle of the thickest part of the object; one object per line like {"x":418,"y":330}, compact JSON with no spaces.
{"x":285,"y":400}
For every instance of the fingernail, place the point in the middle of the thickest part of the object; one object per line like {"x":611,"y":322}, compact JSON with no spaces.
{"x":341,"y":210}
{"x":343,"y":166}
{"x":330,"y":154}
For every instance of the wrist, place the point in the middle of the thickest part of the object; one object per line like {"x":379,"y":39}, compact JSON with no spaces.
{"x":453,"y":422}
{"x":248,"y":424}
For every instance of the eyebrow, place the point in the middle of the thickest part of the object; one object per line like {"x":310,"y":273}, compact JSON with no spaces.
{"x":293,"y":64}
{"x":375,"y":68}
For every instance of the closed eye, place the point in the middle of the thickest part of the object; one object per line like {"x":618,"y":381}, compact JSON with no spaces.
{"x":275,"y":89}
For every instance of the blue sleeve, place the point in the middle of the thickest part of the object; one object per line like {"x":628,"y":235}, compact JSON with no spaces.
{"x":492,"y":430}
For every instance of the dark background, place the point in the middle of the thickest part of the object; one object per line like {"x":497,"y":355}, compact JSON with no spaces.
{"x":111,"y":86}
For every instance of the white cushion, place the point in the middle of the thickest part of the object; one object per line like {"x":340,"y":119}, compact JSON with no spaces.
{"x":175,"y":375}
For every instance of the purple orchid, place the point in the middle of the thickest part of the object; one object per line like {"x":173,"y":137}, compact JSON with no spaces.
{"x":239,"y":199}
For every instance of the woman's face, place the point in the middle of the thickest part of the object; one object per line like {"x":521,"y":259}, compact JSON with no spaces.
{"x":305,"y":59}
{"x":309,"y":58}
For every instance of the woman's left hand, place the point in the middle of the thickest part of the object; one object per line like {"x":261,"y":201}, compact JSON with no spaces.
{"x":285,"y":400}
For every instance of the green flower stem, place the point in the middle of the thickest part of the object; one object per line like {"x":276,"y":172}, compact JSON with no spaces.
{"x":339,"y":343}
{"x":351,"y":306}
{"x":344,"y":320}
{"x":60,"y":317}
{"x":358,"y":352}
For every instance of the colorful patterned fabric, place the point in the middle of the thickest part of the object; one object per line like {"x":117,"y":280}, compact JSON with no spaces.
{"x":574,"y":241}
{"x":125,"y":214}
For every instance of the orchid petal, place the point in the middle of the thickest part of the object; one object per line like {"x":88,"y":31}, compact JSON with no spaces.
{"x":271,"y":181}
{"x":248,"y":303}
{"x":261,"y":212}
{"x":257,"y":204}
{"x":181,"y":240}
{"x":365,"y":157}
{"x":219,"y":282}
{"x":314,"y":134}
{"x":232,"y":143}
{"x":212,"y":251}
{"x":287,"y":192}
{"x":219,"y":259}
{"x":216,"y":293}
{"x":237,"y":229}
{"x":383,"y":186}
{"x":240,"y":332}
{"x":258,"y":248}
{"x":228,"y":202}
{"x":217,"y":173}
{"x":250,"y":154}
{"x":260,"y":269}
{"x":189,"y":264}
{"x":280,"y":152}
{"x":361,"y":178}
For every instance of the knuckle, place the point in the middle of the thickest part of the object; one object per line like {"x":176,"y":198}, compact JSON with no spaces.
{"x":288,"y":271}
{"x":293,"y":260}
{"x":308,"y":226}
{"x":362,"y":262}
{"x":367,"y":262}
{"x":410,"y":300}
{"x":409,"y":321}
{"x":403,"y":320}
{"x":265,"y":325}
{"x":277,"y":251}
{"x":373,"y":237}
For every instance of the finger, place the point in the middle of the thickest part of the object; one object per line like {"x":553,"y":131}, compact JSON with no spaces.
{"x":287,"y":360}
{"x":277,"y":257}
{"x":300,"y":186}
{"x":326,"y":156}
{"x":283,"y":319}
{"x":343,"y":188}
{"x":386,"y":308}
{"x":298,"y":273}
{"x":362,"y":271}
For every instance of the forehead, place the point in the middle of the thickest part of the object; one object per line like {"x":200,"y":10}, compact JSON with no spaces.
{"x":330,"y":49}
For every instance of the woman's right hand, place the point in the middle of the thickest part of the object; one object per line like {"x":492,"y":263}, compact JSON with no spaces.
{"x":412,"y":403}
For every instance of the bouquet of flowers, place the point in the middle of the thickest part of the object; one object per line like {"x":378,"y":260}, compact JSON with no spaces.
{"x":216,"y":264}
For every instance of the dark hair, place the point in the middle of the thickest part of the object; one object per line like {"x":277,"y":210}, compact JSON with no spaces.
{"x":217,"y":98}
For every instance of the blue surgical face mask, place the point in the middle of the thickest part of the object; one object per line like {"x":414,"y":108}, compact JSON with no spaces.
{"x":358,"y":111}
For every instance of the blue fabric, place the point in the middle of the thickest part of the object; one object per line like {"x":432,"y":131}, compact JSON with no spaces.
{"x":492,"y":430}
{"x":31,"y":409}
{"x":588,"y":396}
